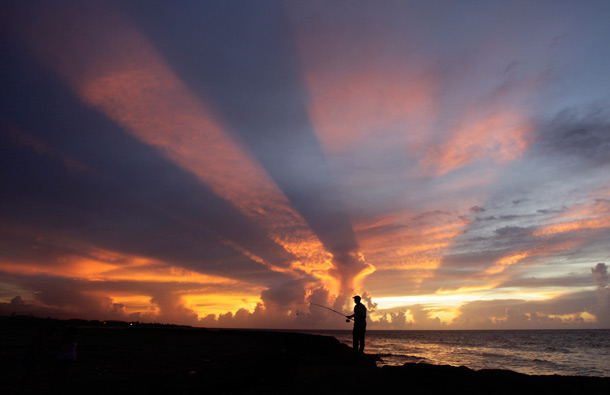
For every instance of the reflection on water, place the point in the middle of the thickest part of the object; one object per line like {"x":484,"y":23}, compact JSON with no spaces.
{"x":564,"y":352}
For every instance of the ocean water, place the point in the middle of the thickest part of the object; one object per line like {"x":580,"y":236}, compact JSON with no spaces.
{"x":543,"y":352}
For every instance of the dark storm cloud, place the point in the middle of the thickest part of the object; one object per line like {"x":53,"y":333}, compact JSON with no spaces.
{"x":284,"y":295}
{"x":511,"y":231}
{"x":602,"y":308}
{"x":123,"y":196}
{"x":508,"y":217}
{"x":23,"y":248}
{"x":577,"y":134}
{"x":245,"y":68}
{"x":600,"y":274}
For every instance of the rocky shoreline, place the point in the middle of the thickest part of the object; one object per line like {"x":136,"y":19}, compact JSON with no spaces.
{"x":180,"y":360}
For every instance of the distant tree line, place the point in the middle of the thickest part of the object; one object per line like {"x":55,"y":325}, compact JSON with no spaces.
{"x":30,"y":319}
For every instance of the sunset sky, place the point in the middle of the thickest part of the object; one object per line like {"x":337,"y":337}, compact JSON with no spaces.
{"x":225,"y":163}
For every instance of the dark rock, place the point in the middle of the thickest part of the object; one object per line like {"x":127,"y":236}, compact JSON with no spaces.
{"x":160,"y":359}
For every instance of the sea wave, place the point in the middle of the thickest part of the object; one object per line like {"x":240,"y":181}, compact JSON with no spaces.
{"x":575,"y":352}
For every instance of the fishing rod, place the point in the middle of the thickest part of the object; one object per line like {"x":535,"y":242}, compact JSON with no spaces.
{"x":328,"y":308}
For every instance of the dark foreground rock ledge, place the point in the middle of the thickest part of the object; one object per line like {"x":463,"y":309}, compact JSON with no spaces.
{"x":174,"y":360}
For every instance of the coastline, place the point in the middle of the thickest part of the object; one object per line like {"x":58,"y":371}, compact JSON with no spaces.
{"x":574,"y":352}
{"x":183,"y":360}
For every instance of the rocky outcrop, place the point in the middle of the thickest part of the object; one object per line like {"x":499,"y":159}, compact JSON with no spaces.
{"x":178,"y":360}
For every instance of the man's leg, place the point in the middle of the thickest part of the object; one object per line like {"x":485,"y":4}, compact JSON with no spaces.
{"x":361,"y":341}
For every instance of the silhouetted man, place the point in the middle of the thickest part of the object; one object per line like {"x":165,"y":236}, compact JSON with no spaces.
{"x":359,"y":325}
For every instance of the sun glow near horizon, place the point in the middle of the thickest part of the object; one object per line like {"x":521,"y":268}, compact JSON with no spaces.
{"x":229,"y":180}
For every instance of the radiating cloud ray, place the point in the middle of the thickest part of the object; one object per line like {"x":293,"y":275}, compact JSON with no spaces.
{"x":134,"y":86}
{"x":133,"y":199}
{"x":216,"y":164}
{"x":379,"y":107}
{"x":269,"y":115}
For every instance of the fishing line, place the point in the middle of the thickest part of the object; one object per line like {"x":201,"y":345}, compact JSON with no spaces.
{"x":328,"y":308}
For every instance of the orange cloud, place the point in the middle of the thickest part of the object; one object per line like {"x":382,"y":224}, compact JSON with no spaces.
{"x":542,"y":249}
{"x":467,"y":288}
{"x":362,"y":95}
{"x":133,"y":303}
{"x":124,"y":77}
{"x":368,"y":102}
{"x":109,"y":271}
{"x":591,"y":215}
{"x":361,"y":84}
{"x":500,"y":137}
{"x":406,"y":242}
{"x":130,"y":268}
{"x":215,"y":303}
{"x":501,"y":264}
{"x":370,"y":87}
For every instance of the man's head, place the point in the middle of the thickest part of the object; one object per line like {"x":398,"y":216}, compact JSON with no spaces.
{"x":356,"y":299}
